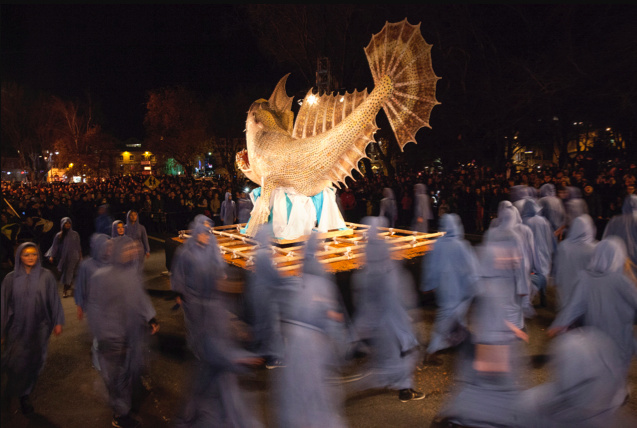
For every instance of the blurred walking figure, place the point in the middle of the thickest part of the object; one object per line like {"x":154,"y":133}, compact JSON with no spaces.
{"x":121,"y":316}
{"x":587,"y":388}
{"x":261,"y":295}
{"x":228,"y":211}
{"x":67,"y":251}
{"x":552,"y":208}
{"x":312,"y":324}
{"x":138,"y":233}
{"x":31,"y":310}
{"x":544,"y":245}
{"x":383,"y":292}
{"x":489,"y":369}
{"x":624,"y":226}
{"x":214,"y":397}
{"x":451,"y":271}
{"x":422,"y":209}
{"x":100,"y":257}
{"x":388,"y":207}
{"x":104,"y":220}
{"x":572,"y":256}
{"x":605,"y":298}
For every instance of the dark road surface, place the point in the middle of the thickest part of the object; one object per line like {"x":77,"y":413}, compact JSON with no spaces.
{"x":71,"y":394}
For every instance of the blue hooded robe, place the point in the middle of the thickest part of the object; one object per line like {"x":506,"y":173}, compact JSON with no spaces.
{"x":67,"y":250}
{"x":587,"y":386}
{"x":422,"y":209}
{"x":114,"y":233}
{"x":605,"y":298}
{"x":572,"y":256}
{"x":215,"y":397}
{"x":31,"y":308}
{"x":624,"y":226}
{"x":138,"y":233}
{"x":313,"y":334}
{"x":228,"y":211}
{"x":388,"y":207}
{"x":544,"y":243}
{"x":119,"y":311}
{"x":552,"y":206}
{"x":451,"y":269}
{"x":244,"y":208}
{"x":383,"y":292}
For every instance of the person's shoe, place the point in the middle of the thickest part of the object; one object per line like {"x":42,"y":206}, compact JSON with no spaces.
{"x":65,"y":294}
{"x":405,"y":395}
{"x":126,"y":421}
{"x":274,"y":364}
{"x":25,"y":405}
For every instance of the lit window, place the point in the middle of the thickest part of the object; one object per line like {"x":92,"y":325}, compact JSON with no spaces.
{"x":132,"y":157}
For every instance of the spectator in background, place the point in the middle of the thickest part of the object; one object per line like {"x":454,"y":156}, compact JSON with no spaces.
{"x":228,"y":212}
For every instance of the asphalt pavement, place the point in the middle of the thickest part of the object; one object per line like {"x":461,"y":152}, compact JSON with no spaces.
{"x":70,"y":392}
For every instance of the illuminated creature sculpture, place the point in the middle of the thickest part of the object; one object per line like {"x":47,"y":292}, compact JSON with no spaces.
{"x":331,"y":132}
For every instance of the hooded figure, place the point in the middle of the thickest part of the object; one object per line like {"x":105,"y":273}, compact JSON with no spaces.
{"x":451,"y":269}
{"x":100,"y":257}
{"x":383,"y":292}
{"x":388,"y":207}
{"x":312,"y":325}
{"x":262,"y":306}
{"x":520,"y":194}
{"x":228,"y":211}
{"x":120,"y":315}
{"x":544,"y":244}
{"x":509,"y":222}
{"x":104,"y":220}
{"x":489,"y":373}
{"x":118,"y":229}
{"x":604,"y":298}
{"x":67,"y":251}
{"x":244,"y":208}
{"x":587,"y":386}
{"x":552,"y":206}
{"x":422,"y":209}
{"x":572,"y":256}
{"x":31,"y":310}
{"x":214,"y":398}
{"x":138,"y":233}
{"x":624,"y":226}
{"x":575,"y":205}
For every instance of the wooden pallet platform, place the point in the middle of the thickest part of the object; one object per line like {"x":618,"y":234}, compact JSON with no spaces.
{"x":343,"y":250}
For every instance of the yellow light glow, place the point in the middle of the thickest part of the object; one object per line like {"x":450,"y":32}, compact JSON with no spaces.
{"x":71,"y":165}
{"x":312,"y":99}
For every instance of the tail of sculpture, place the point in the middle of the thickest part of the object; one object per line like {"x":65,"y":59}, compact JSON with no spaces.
{"x":400,"y":52}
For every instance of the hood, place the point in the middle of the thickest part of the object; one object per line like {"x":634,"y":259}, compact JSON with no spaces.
{"x":420,"y":189}
{"x":451,"y":224}
{"x":18,"y":269}
{"x":311,"y":265}
{"x":228,"y":196}
{"x":547,"y":189}
{"x":114,"y":228}
{"x":125,"y":252}
{"x":519,"y":192}
{"x":202,"y":219}
{"x":64,"y":221}
{"x":100,"y":248}
{"x":388,"y":193}
{"x":609,"y":257}
{"x":507,"y":215}
{"x":582,"y":229}
{"x":630,"y":205}
{"x":574,"y":192}
{"x":530,"y":209}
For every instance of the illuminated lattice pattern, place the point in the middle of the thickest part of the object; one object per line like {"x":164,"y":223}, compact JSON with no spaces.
{"x":331,"y":132}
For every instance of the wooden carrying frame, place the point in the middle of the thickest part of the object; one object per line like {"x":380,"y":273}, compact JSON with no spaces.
{"x":343,"y":250}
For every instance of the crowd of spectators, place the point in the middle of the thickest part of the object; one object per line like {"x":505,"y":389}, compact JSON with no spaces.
{"x":34,"y":211}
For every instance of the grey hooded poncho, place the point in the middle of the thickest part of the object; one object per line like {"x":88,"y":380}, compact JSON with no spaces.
{"x":31,"y":308}
{"x":228,"y":210}
{"x":422,"y":209}
{"x":605,"y":298}
{"x":67,"y":251}
{"x":572,"y":256}
{"x":624,"y":226}
{"x":100,"y":257}
{"x":552,"y":206}
{"x":451,"y":269}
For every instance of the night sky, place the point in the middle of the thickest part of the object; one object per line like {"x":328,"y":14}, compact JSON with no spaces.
{"x":117,"y":53}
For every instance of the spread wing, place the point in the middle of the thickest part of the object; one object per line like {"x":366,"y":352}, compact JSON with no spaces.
{"x":321,"y":113}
